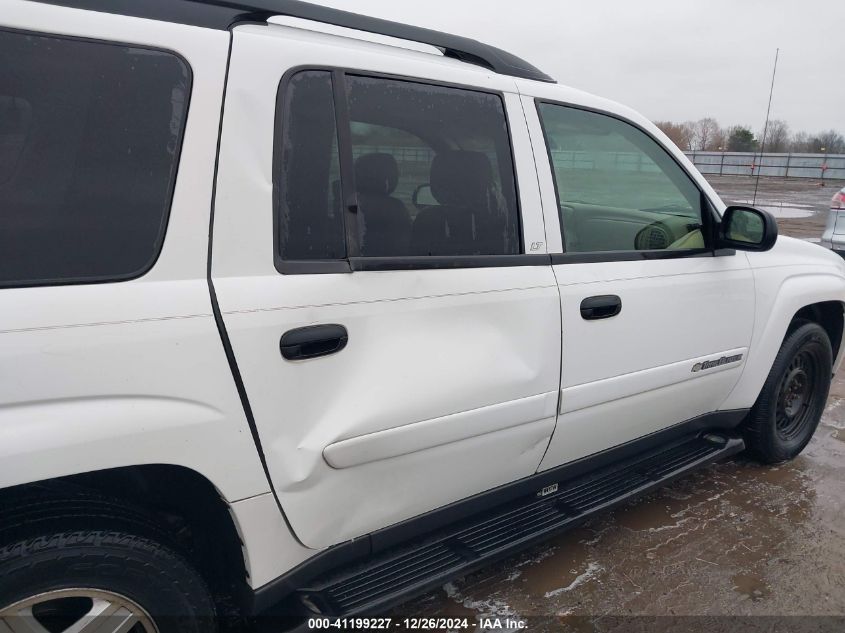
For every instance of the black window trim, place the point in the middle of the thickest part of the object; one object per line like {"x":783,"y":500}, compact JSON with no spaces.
{"x":424,"y":262}
{"x":158,"y":244}
{"x":709,"y":215}
{"x":353,"y":262}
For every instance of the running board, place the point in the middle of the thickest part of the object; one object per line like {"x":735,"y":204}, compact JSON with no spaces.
{"x":399,"y":574}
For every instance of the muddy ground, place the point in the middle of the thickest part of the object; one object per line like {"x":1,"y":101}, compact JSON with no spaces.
{"x":800,"y":204}
{"x":736,"y":539}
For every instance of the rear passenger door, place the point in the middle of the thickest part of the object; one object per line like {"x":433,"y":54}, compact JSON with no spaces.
{"x":399,"y":347}
{"x":646,"y":301}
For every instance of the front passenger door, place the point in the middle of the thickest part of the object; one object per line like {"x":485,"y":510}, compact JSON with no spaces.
{"x":645,"y":299}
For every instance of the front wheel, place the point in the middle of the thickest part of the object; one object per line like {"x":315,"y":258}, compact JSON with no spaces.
{"x":792,"y":401}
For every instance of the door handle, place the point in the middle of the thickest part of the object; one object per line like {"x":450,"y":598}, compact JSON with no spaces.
{"x":313,"y":341}
{"x":601,"y":307}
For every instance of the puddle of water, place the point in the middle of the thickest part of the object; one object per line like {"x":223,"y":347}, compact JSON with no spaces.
{"x":562,"y":567}
{"x":834,"y":413}
{"x":653,"y":515}
{"x":588,"y":574}
{"x":781,"y":210}
{"x":782,"y":475}
{"x":751,"y":586}
{"x":722,"y":526}
{"x":491,"y":607}
{"x":575,"y":623}
{"x":788,"y":211}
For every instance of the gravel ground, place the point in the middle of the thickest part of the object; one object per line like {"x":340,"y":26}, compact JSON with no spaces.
{"x":736,"y":539}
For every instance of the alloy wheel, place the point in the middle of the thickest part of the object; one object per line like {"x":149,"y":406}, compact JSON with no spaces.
{"x":76,"y":611}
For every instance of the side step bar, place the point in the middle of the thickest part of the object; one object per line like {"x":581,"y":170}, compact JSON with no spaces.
{"x":396,"y":575}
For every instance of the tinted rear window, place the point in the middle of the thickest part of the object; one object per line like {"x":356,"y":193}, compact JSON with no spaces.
{"x":426,"y":170}
{"x":433,"y":170}
{"x":90,"y":135}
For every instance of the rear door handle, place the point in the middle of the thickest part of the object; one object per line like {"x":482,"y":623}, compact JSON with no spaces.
{"x":313,"y":341}
{"x":601,"y":307}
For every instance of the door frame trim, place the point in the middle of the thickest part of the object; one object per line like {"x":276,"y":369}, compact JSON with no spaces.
{"x":353,"y":261}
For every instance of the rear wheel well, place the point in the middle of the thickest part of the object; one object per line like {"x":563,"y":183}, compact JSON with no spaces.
{"x":828,"y":314}
{"x":181,"y":505}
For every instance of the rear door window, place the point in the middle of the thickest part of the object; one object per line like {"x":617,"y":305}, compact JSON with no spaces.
{"x":433,"y":170}
{"x":429,"y":170}
{"x":90,"y":134}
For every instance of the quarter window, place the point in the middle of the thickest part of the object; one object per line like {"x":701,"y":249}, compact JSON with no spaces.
{"x":428,"y":170}
{"x":310,"y":204}
{"x":90,"y":135}
{"x":617,"y":189}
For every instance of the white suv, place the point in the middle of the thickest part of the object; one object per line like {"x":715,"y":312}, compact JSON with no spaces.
{"x":298,"y":320}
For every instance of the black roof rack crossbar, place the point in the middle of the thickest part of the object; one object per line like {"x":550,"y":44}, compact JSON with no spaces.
{"x":223,"y":14}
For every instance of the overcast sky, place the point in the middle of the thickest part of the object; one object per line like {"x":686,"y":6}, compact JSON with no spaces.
{"x":669,"y":59}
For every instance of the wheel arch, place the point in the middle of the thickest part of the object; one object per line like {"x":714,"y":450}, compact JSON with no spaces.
{"x":184,"y":505}
{"x":817,"y":296}
{"x":831,"y":316}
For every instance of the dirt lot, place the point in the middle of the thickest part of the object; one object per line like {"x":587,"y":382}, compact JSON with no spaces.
{"x":736,"y":539}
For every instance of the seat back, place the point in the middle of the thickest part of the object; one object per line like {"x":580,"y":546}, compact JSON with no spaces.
{"x":471,"y":218}
{"x":384,"y":224}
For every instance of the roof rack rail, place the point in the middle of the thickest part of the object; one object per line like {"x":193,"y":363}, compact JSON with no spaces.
{"x":223,"y":14}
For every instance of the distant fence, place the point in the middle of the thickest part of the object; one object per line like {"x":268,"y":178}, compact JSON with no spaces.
{"x":819,"y":166}
{"x":615,"y":161}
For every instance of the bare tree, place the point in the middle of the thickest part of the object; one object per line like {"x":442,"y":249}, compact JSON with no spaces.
{"x":707,"y":135}
{"x":800,"y":142}
{"x":830,"y":142}
{"x":720,"y":140}
{"x":705,"y":131}
{"x":777,"y":136}
{"x":680,"y":133}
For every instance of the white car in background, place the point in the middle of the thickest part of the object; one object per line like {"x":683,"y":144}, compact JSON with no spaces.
{"x":834,"y":233}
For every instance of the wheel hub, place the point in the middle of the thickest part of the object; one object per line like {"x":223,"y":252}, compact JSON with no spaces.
{"x":796,"y":392}
{"x":795,"y":397}
{"x":77,"y":610}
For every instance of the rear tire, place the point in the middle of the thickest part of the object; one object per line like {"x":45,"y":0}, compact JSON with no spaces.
{"x":791,"y":403}
{"x":59,"y":575}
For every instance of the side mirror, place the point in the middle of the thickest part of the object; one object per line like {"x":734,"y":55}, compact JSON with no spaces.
{"x":747,"y":229}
